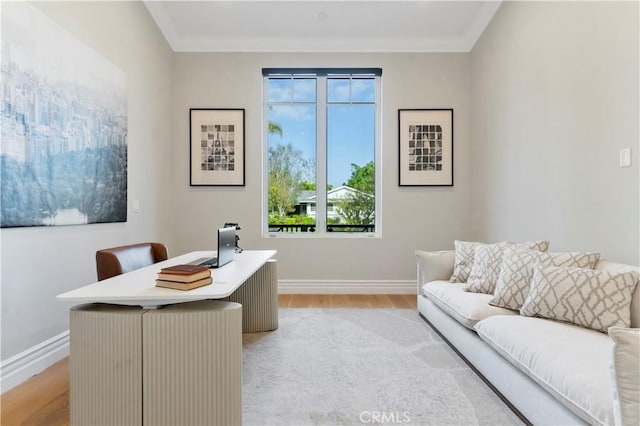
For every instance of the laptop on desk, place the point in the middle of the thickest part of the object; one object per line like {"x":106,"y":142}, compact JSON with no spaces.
{"x":226,"y":249}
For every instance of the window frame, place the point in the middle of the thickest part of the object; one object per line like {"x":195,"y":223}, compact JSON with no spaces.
{"x":322,"y":75}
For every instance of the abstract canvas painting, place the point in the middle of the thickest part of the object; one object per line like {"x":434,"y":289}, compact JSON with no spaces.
{"x":63,"y":151}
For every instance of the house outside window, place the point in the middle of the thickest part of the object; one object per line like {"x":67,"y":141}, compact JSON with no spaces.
{"x":322,"y":152}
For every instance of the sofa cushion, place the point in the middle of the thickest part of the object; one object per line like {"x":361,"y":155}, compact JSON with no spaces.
{"x":516,"y":271}
{"x":625,"y":375}
{"x":593,"y":299}
{"x":464,"y":251}
{"x":487,"y":261}
{"x":570,"y":362}
{"x":466,"y":308}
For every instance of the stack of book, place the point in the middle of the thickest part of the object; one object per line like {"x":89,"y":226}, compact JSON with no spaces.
{"x":184,"y":277}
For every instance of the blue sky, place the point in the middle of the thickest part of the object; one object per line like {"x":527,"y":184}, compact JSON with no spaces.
{"x":351,"y":128}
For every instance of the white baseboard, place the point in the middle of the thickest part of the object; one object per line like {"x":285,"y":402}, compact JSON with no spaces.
{"x":34,"y":360}
{"x":347,"y":286}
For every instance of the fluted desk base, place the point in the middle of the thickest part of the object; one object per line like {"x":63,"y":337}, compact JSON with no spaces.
{"x":178,"y":365}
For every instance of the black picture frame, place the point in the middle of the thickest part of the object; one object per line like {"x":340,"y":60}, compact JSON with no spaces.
{"x":216,"y":147}
{"x":425,"y":147}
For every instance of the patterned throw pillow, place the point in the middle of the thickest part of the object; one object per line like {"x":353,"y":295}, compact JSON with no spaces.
{"x":589,"y":298}
{"x":487,"y":261}
{"x":464,"y":260}
{"x":486,"y":267}
{"x":516,"y":271}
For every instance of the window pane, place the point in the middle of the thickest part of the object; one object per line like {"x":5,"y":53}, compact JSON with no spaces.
{"x":363,"y":90}
{"x":280,"y":89}
{"x":338,"y":90}
{"x":291,"y":168}
{"x":347,"y":151}
{"x":350,"y":168}
{"x":304,"y":90}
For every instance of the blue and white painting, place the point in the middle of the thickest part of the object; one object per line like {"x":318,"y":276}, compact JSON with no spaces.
{"x":63,"y":152}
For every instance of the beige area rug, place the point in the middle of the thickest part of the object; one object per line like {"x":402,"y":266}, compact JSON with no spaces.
{"x":358,"y":367}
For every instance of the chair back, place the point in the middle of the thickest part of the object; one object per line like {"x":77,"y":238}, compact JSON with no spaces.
{"x":119,"y":260}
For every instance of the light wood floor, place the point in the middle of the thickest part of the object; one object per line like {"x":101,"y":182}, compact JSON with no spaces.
{"x":44,"y":399}
{"x":347,"y":301}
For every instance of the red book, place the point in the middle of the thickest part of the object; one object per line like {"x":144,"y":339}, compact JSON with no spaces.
{"x":184,"y":273}
{"x":184,"y":269}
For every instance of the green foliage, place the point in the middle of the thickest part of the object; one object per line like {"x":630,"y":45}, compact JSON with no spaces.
{"x":311,"y":186}
{"x":275,"y":128}
{"x":275,"y":219}
{"x":358,"y":208}
{"x":363,"y":178}
{"x":307,"y":186}
{"x":287,"y":169}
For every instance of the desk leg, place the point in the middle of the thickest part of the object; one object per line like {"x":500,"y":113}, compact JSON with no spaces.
{"x":105,"y":365}
{"x":259,"y":299}
{"x":193,"y":364}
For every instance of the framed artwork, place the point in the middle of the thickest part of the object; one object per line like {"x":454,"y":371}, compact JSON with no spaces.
{"x":217,"y":147}
{"x":63,"y":155}
{"x":426,"y":147}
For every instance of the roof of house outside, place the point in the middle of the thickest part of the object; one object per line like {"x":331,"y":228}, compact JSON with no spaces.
{"x":304,"y":195}
{"x":335,"y":194}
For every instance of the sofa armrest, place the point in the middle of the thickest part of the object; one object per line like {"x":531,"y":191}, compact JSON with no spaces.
{"x":434,"y":265}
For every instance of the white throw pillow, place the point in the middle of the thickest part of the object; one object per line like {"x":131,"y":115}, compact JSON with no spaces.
{"x":487,"y":262}
{"x":516,"y":271}
{"x":625,"y":375}
{"x":588,"y":298}
{"x":464,"y":260}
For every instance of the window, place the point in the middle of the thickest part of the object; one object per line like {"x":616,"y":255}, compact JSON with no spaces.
{"x":322,"y":150}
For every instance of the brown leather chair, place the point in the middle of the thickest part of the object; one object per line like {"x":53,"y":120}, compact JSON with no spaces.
{"x":118,"y":260}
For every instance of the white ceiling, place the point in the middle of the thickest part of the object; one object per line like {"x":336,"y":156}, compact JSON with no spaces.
{"x":322,"y":25}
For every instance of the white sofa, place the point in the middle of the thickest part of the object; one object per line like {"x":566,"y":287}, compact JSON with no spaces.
{"x":549,"y":372}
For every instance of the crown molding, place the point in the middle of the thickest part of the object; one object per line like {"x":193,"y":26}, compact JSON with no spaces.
{"x":317,"y":44}
{"x":163,"y":21}
{"x":481,"y":22}
{"x":179,"y":43}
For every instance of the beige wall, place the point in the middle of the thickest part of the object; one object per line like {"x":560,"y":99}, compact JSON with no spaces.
{"x":554,"y":98}
{"x":423,"y":217}
{"x":39,"y":263}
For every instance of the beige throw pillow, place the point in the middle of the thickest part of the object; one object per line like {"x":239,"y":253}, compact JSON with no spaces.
{"x":588,"y":298}
{"x":516,"y":271}
{"x":487,"y":261}
{"x":625,"y":375}
{"x":435,"y":265}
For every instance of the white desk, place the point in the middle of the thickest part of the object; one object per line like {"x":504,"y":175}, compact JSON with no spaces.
{"x":142,"y":354}
{"x":137,"y":288}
